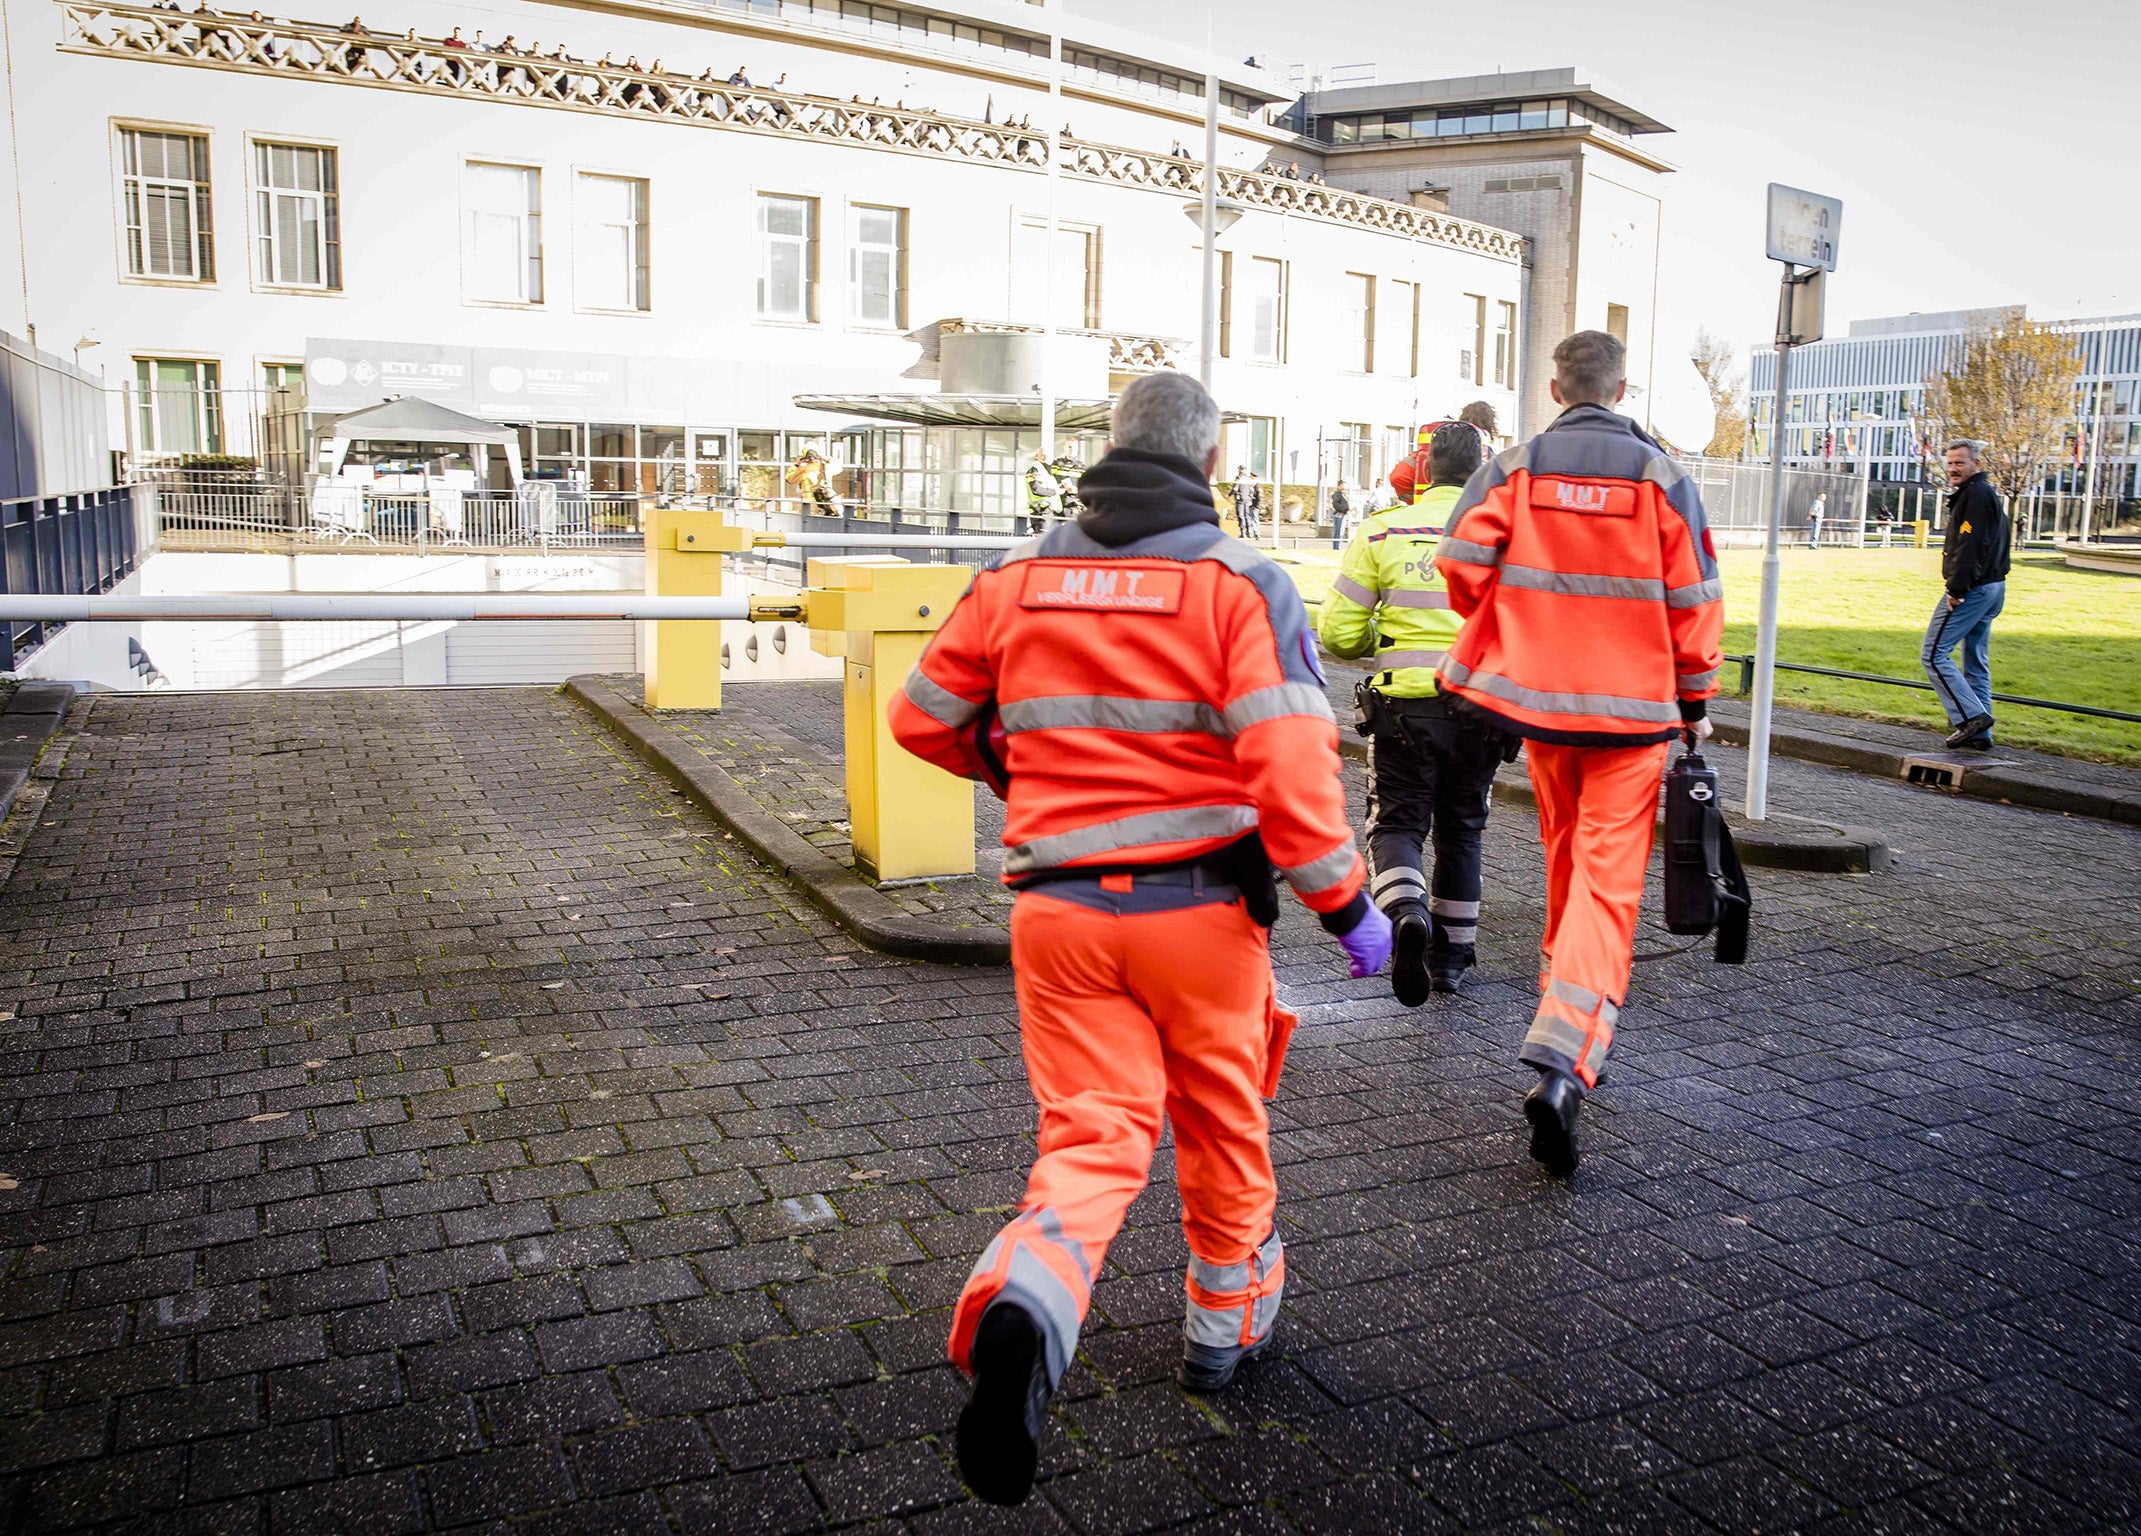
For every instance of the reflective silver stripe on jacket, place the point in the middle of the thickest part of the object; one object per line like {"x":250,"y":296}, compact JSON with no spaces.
{"x":1695,"y":596}
{"x":1695,"y":682}
{"x":939,"y":702}
{"x":1276,"y":703}
{"x":1321,"y":874}
{"x":1112,"y":712}
{"x":1408,"y":598}
{"x":1611,"y":705}
{"x":1465,"y":552}
{"x":1347,"y":587}
{"x":1533,"y":578}
{"x":1108,"y":712}
{"x":1186,"y":824}
{"x":1391,"y":661}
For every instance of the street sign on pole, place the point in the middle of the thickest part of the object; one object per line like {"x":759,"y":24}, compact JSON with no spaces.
{"x":1802,"y":233}
{"x":1803,"y":227}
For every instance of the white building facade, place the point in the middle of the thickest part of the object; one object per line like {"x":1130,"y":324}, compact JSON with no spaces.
{"x":641,"y":265}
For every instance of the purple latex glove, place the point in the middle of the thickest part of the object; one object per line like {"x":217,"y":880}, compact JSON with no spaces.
{"x":1368,"y":943}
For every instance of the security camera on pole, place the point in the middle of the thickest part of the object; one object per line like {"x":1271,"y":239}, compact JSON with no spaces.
{"x":1803,"y":228}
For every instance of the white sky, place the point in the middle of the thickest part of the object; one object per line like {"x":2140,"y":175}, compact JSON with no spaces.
{"x":1987,"y":151}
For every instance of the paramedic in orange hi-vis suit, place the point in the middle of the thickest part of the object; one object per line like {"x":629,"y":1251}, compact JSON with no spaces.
{"x":1583,"y":569}
{"x":1144,"y":692}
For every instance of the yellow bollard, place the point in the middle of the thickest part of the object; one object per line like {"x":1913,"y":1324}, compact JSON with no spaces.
{"x":1921,"y":534}
{"x":909,"y":820}
{"x":684,"y":550}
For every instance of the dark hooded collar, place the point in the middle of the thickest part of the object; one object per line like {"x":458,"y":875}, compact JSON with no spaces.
{"x":1131,"y":494}
{"x":1599,"y":418}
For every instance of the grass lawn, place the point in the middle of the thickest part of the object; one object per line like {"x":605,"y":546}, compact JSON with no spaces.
{"x":2069,"y":635}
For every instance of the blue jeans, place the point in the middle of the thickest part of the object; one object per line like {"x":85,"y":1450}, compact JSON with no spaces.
{"x":1965,"y":693}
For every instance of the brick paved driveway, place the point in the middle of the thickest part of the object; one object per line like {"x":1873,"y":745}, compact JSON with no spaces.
{"x":414,"y":1117}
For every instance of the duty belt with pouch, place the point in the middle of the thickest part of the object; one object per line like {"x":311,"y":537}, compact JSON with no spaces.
{"x":1242,"y":865}
{"x":1705,"y":887}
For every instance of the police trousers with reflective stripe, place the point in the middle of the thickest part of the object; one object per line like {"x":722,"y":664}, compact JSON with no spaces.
{"x":1598,"y":809}
{"x":1430,"y":775}
{"x":1126,"y":1019}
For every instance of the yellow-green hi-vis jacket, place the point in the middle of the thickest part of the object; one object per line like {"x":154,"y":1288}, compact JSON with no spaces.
{"x":1388,"y":599}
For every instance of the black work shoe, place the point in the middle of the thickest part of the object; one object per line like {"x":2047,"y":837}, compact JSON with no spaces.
{"x":1975,"y":744}
{"x":999,"y":1439}
{"x":1551,"y":1108}
{"x":1208,"y":1367}
{"x":1449,"y":978}
{"x":1965,"y":734}
{"x":1408,"y":957}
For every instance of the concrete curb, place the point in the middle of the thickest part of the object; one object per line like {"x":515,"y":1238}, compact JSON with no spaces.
{"x":837,"y":890}
{"x":32,"y":716}
{"x":1812,"y":847}
{"x":2010,"y":782}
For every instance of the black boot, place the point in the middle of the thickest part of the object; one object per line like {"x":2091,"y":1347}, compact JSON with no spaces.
{"x":1551,"y":1108}
{"x":1966,"y":734}
{"x":1447,"y":967}
{"x":1408,"y":953}
{"x":999,"y":1439}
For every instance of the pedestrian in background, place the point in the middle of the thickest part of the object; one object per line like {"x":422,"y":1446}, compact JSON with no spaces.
{"x":1582,"y":566}
{"x":1341,"y":509}
{"x":1044,"y":493}
{"x":1144,"y":693}
{"x":1814,"y":515}
{"x":1974,"y":560}
{"x":1429,"y":771}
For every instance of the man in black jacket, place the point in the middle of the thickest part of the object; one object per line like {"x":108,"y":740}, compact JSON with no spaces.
{"x":1973,"y":564}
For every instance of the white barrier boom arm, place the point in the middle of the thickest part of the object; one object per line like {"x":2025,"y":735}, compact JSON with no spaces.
{"x":414,"y":607}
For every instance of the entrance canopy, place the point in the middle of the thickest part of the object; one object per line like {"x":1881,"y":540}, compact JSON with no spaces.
{"x":963,"y":410}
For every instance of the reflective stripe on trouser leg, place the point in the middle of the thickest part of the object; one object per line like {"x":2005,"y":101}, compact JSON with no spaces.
{"x":1572,"y":1031}
{"x":1456,"y":921}
{"x":1400,"y":803}
{"x":1033,"y":1263}
{"x":1231,"y":1306}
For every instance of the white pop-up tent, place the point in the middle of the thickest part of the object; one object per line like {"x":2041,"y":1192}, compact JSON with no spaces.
{"x":417,"y":422}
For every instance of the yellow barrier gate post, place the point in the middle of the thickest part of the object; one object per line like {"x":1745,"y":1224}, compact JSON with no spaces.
{"x":909,"y":820}
{"x":684,"y":550}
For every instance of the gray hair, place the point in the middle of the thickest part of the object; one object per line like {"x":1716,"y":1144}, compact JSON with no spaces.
{"x":1590,"y":367}
{"x":1970,"y":445}
{"x":1167,"y":412}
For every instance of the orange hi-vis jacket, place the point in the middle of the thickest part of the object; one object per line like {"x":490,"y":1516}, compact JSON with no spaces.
{"x":1582,"y":566}
{"x":1157,"y":691}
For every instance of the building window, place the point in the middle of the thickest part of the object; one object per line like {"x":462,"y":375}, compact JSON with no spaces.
{"x":169,"y":233}
{"x":609,"y":249}
{"x":1359,"y":327}
{"x":877,"y":266}
{"x":1505,"y":345}
{"x":1617,"y":322}
{"x":787,"y":257}
{"x":502,"y":237}
{"x":179,"y":405}
{"x":1076,"y":299}
{"x":299,"y":236}
{"x":1267,"y":310}
{"x":1471,"y":360}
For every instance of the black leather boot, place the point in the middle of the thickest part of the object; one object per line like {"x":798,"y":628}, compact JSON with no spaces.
{"x":1446,"y":968}
{"x":999,"y":1438}
{"x":1411,"y":932}
{"x":1551,"y":1108}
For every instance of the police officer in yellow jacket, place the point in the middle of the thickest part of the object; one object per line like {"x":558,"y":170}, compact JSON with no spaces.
{"x":1429,"y":771}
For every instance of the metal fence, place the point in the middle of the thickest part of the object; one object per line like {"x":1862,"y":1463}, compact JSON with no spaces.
{"x":78,"y":545}
{"x":197,"y":514}
{"x":1736,"y":496}
{"x":54,"y":431}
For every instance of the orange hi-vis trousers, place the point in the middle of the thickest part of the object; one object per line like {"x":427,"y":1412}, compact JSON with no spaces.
{"x":1598,"y":809}
{"x":1125,"y":1018}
